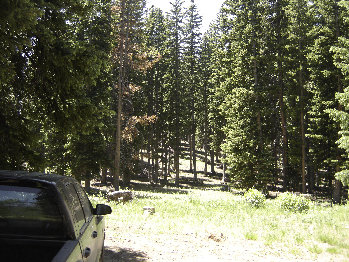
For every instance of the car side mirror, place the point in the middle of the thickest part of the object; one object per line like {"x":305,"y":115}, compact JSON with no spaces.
{"x":102,"y":210}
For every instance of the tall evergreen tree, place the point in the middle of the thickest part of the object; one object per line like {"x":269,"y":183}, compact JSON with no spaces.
{"x":57,"y":63}
{"x":323,"y":84}
{"x":154,"y":93}
{"x":128,"y":27}
{"x":298,"y":24}
{"x":246,"y":100}
{"x":174,"y":80}
{"x":191,"y":52}
{"x":279,"y":23}
{"x":340,"y":51}
{"x":205,"y":73}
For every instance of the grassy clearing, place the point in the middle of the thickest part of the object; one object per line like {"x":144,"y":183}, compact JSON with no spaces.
{"x":320,"y":230}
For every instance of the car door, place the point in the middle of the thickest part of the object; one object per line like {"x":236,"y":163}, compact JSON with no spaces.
{"x":83,"y":222}
{"x":91,"y":240}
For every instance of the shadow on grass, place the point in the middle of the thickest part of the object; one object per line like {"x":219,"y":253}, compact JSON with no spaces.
{"x":158,"y":189}
{"x":202,"y":182}
{"x":124,"y":255}
{"x":96,"y":191}
{"x":215,"y":175}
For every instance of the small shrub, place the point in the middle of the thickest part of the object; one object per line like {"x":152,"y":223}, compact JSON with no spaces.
{"x":250,"y":235}
{"x":254,"y":198}
{"x":315,"y":249}
{"x":294,"y":203}
{"x":333,"y":250}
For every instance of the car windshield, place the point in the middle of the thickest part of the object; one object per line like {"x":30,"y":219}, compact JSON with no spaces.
{"x":29,"y":211}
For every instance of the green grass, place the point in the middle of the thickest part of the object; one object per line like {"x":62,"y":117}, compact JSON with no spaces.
{"x":315,"y":249}
{"x":251,"y":235}
{"x":333,"y":250}
{"x":319,"y":230}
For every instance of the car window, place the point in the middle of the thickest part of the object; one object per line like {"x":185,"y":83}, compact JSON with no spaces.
{"x":29,"y":210}
{"x":73,"y":202}
{"x":86,"y":205}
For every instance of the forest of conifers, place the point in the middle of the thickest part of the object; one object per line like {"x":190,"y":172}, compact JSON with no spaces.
{"x":88,"y":85}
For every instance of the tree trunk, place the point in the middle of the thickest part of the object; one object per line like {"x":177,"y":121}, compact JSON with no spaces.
{"x":123,"y":48}
{"x":156,"y":164}
{"x":284,"y":140}
{"x":276,"y":160}
{"x":176,"y":165}
{"x":153,"y":168}
{"x":311,"y":177}
{"x":301,"y":96}
{"x":166,"y":164}
{"x":194,"y":160}
{"x":337,"y":189}
{"x":116,"y":176}
{"x":190,"y":154}
{"x":149,"y":166}
{"x":212,"y":162}
{"x":205,"y":128}
{"x":193,"y":141}
{"x":169,"y":164}
{"x":104,"y":175}
{"x":304,"y":188}
{"x":88,"y":185}
{"x":255,"y":77}
{"x":224,"y":178}
{"x":303,"y":146}
{"x":280,"y":80}
{"x":150,"y":112}
{"x":206,"y":159}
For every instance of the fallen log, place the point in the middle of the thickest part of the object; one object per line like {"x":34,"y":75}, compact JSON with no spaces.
{"x":120,"y":196}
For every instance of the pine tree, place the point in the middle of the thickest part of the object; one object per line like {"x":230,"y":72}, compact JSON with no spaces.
{"x":216,"y":40}
{"x":128,"y":26}
{"x":192,"y":42}
{"x":298,"y":24}
{"x":205,"y":73}
{"x":154,"y":92}
{"x":243,"y":88}
{"x":323,"y":84}
{"x":280,"y":32}
{"x":174,"y":80}
{"x":340,"y":51}
{"x":56,"y":65}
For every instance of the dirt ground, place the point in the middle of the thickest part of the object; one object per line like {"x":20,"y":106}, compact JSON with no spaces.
{"x":189,"y":248}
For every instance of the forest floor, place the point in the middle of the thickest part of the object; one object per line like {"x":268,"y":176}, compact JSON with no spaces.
{"x":186,"y":247}
{"x":167,"y":237}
